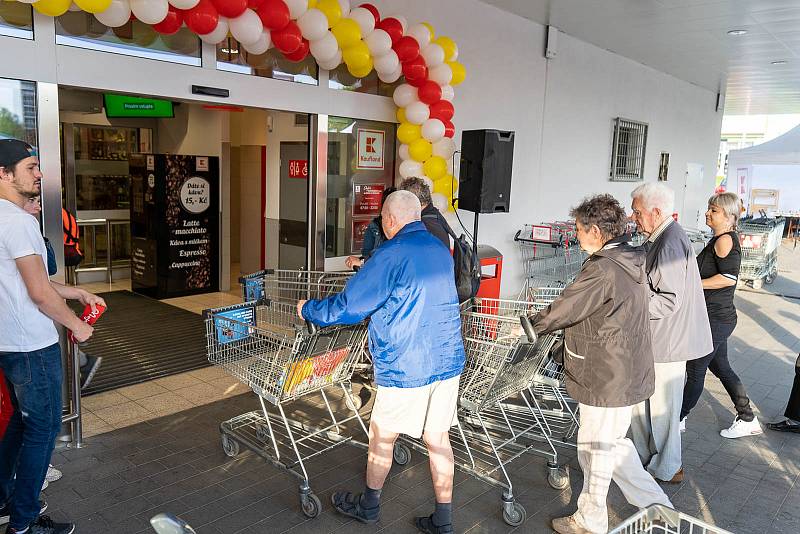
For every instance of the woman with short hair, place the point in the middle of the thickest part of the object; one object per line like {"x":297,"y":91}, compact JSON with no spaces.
{"x":719,"y":264}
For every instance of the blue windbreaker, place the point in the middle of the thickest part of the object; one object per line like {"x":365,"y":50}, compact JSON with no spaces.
{"x":408,"y":290}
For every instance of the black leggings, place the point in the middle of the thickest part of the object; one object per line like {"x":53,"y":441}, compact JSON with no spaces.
{"x":718,"y":363}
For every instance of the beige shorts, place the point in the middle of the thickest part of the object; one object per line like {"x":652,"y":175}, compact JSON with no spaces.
{"x":409,"y":411}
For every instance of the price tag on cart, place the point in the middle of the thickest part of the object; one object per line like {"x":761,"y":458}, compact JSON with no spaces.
{"x":542,"y":233}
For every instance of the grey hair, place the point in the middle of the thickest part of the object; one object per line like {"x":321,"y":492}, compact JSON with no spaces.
{"x":729,"y":203}
{"x":604,"y":212}
{"x":403,"y":206}
{"x":656,"y":195}
{"x":419,"y":188}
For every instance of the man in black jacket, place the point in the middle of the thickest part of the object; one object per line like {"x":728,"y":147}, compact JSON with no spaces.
{"x":431,"y":218}
{"x":608,"y":362}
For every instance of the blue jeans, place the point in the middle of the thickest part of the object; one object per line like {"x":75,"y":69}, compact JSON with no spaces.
{"x":34,"y":379}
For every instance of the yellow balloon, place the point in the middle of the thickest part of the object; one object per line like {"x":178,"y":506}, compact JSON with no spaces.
{"x":446,"y":185}
{"x":448,"y":45}
{"x":52,"y":8}
{"x":435,"y":167}
{"x":420,"y":150}
{"x":93,"y":6}
{"x":453,"y":206}
{"x":347,"y":33}
{"x":312,"y":3}
{"x":459,"y":72}
{"x":357,"y":56}
{"x":332,"y":9}
{"x":361,"y":72}
{"x":430,"y":29}
{"x":407,"y":133}
{"x":401,"y":115}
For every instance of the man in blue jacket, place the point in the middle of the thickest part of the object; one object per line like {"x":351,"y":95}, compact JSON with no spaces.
{"x":408,"y":292}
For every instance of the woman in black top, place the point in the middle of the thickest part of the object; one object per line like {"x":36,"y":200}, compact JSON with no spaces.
{"x":719,"y":264}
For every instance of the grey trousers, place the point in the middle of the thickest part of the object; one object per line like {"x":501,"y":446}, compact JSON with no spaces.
{"x":655,"y":424}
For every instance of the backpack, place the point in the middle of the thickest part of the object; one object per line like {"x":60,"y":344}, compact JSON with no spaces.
{"x":72,"y":252}
{"x":466,"y":265}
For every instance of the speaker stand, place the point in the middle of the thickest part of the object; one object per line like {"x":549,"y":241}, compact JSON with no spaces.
{"x":475,"y":234}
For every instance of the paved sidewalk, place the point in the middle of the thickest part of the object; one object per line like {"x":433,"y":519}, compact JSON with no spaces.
{"x":176,"y":464}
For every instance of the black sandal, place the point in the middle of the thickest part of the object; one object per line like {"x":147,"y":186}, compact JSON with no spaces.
{"x":425,"y":524}
{"x":349,"y":505}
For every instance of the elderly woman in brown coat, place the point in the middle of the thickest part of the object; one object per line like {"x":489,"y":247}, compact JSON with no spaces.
{"x":608,"y":361}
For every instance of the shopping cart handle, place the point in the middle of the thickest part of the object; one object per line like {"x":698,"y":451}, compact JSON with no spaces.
{"x":528,"y":328}
{"x":312,"y":328}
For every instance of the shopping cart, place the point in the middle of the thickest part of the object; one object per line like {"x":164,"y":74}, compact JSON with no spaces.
{"x":499,"y":364}
{"x":760,"y":239}
{"x":659,"y":519}
{"x":265,"y":346}
{"x":549,"y":258}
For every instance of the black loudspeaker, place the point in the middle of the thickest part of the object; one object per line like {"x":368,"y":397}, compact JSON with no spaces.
{"x":484,"y":180}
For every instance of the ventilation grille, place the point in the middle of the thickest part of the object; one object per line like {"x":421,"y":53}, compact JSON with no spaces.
{"x":627,"y":157}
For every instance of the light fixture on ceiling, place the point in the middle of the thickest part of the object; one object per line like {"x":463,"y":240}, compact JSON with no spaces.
{"x":737,"y":32}
{"x":780,"y":62}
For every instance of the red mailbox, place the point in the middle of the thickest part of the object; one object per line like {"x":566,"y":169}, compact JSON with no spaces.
{"x":491,"y":270}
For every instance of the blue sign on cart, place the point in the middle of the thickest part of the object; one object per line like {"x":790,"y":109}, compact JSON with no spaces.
{"x":253,"y":289}
{"x":235,"y":324}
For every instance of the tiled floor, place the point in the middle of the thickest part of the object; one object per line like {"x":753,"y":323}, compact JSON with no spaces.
{"x":175,"y":463}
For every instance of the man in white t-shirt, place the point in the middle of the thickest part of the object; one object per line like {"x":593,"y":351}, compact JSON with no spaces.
{"x":30,"y":356}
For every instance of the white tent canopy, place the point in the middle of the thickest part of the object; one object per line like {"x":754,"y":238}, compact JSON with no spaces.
{"x":783,"y":150}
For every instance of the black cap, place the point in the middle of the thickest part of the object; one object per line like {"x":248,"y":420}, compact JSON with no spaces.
{"x":13,"y":151}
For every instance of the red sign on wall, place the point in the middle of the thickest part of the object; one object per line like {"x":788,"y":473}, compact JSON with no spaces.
{"x":298,"y":168}
{"x":367,"y":199}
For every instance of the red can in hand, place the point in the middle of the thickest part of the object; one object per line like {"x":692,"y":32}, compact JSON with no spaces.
{"x":89,"y":317}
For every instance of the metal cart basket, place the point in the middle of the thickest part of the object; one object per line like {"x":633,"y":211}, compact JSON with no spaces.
{"x":659,"y":519}
{"x":265,"y":346}
{"x":760,"y":240}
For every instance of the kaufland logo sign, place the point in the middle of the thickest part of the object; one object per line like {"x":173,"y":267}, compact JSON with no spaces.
{"x":370,"y":149}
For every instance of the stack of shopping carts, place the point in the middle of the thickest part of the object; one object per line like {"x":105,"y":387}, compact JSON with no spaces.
{"x":264,"y":345}
{"x":550,"y":253}
{"x":760,"y":240}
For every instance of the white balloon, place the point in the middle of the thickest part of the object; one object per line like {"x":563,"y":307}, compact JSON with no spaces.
{"x":421,"y":33}
{"x":405,"y":95}
{"x":73,"y":7}
{"x":441,"y":74}
{"x":439,"y":201}
{"x":409,"y":168}
{"x":313,"y":24}
{"x":403,"y":152}
{"x":365,"y":20}
{"x":27,"y":1}
{"x":455,"y":54}
{"x":403,"y":21}
{"x":392,"y":77}
{"x":184,"y":4}
{"x":448,"y":93}
{"x":218,"y":34}
{"x":116,"y":15}
{"x":387,"y":63}
{"x":433,"y":55}
{"x":150,"y":11}
{"x":444,"y":147}
{"x":345,"y":5}
{"x":417,"y":112}
{"x":378,"y":42}
{"x":433,"y":130}
{"x":324,"y":49}
{"x":333,"y":63}
{"x":428,"y":182}
{"x":262,"y":45}
{"x":296,"y":8}
{"x":247,"y":28}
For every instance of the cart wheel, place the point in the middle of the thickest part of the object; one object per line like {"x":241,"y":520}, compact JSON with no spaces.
{"x":353,"y":401}
{"x":310,"y":505}
{"x":262,"y":433}
{"x":770,"y":278}
{"x":557,"y":479}
{"x":401,"y":454}
{"x":758,"y":284}
{"x":514,"y":515}
{"x":230,"y":446}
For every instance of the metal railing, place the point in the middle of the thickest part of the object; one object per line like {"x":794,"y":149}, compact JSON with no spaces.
{"x":109,"y":265}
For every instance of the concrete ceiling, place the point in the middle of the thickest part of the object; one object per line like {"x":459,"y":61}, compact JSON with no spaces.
{"x":689,"y":39}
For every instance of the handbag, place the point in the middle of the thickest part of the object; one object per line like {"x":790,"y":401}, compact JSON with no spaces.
{"x":6,"y":407}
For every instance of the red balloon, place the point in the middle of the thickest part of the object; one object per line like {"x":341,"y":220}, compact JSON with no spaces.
{"x":230,"y":8}
{"x":407,"y":48}
{"x":171,"y":23}
{"x":442,"y":110}
{"x":202,"y":18}
{"x":274,"y":14}
{"x":255,"y":4}
{"x":289,"y":39}
{"x":415,"y":71}
{"x":430,"y":92}
{"x":300,"y":54}
{"x":374,"y":10}
{"x":393,"y":27}
{"x":449,"y":129}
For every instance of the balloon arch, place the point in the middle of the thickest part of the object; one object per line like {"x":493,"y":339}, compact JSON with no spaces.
{"x":333,"y":33}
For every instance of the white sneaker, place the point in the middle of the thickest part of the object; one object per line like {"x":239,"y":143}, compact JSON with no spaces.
{"x":53,"y":474}
{"x":740,"y":429}
{"x":683,"y":425}
{"x":45,"y":484}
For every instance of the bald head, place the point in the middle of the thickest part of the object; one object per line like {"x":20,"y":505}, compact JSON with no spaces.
{"x":400,"y":208}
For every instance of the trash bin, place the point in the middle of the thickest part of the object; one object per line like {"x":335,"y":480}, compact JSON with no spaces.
{"x":491,"y":270}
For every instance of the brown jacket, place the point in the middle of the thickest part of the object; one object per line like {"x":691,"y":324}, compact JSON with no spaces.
{"x":608,"y":356}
